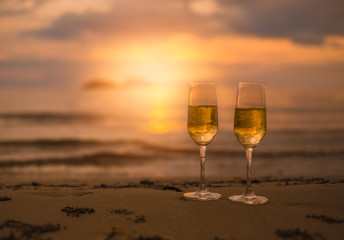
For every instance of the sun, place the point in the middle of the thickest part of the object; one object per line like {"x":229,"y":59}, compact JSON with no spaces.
{"x":157,"y":61}
{"x":155,"y":72}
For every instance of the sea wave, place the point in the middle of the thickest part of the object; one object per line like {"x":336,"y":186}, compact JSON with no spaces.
{"x":71,"y":143}
{"x":49,"y":117}
{"x":99,"y":159}
{"x":68,"y":143}
{"x":104,"y":153}
{"x":50,"y":143}
{"x":306,"y":110}
{"x":108,"y":158}
{"x":98,"y":120}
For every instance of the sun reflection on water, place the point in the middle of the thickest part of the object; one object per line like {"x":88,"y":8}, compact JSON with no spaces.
{"x":161,"y":112}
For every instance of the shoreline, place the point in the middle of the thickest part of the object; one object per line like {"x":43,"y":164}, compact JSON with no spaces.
{"x":177,"y":182}
{"x":156,"y":210}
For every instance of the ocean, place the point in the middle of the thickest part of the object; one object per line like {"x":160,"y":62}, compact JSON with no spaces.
{"x":75,"y":136}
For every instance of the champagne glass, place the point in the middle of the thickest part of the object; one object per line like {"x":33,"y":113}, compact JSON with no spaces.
{"x":202,"y":127}
{"x":250,"y":128}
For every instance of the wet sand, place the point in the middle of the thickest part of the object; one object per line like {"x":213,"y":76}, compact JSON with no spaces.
{"x":297,"y":209}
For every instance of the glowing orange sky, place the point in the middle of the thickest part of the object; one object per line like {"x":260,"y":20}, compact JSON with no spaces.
{"x":151,"y":49}
{"x":167,"y":41}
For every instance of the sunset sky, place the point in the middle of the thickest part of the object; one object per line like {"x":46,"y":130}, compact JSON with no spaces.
{"x":65,"y":43}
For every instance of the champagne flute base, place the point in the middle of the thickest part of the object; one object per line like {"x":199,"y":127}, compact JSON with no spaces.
{"x":204,"y":195}
{"x":249,"y":199}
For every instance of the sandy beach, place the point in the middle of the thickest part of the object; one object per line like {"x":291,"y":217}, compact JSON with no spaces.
{"x":298,"y":209}
{"x":110,"y":111}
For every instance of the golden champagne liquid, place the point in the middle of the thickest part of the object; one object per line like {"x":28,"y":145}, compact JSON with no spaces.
{"x":249,"y":126}
{"x":202,"y":123}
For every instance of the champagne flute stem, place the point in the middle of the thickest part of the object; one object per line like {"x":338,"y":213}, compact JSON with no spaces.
{"x":248,"y":190}
{"x":202,"y":185}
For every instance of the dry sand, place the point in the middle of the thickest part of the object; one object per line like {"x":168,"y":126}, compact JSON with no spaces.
{"x":150,"y":210}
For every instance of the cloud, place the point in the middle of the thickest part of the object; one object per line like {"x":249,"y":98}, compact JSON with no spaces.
{"x":103,"y":84}
{"x":15,"y":7}
{"x":304,"y":21}
{"x":143,"y":18}
{"x":98,"y":83}
{"x":43,"y":74}
{"x":323,"y":77}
